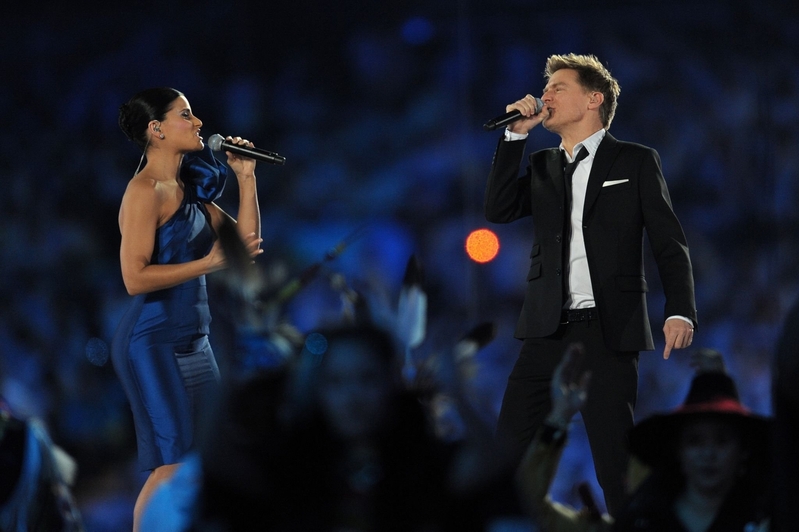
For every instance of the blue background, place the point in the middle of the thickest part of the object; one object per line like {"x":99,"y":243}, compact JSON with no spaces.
{"x":378,"y":108}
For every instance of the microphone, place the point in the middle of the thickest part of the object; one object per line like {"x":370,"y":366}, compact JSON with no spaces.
{"x":218,"y":143}
{"x":507,"y":118}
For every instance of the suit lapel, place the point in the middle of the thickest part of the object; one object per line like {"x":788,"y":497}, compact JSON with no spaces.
{"x":603,"y":161}
{"x":554,"y":168}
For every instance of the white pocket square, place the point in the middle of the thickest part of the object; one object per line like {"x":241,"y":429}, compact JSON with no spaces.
{"x":616,"y":182}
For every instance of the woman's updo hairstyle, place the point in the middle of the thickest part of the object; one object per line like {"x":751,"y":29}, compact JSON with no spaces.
{"x":142,"y":108}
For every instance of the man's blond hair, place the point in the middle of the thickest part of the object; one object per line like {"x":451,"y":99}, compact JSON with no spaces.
{"x":593,"y":76}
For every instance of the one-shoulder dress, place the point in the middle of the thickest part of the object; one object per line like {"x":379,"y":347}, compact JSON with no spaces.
{"x":160,"y":350}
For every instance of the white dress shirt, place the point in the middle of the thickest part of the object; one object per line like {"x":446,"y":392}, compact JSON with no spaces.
{"x":581,"y":293}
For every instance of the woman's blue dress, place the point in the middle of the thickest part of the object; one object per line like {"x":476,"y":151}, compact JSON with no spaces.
{"x":160,"y":350}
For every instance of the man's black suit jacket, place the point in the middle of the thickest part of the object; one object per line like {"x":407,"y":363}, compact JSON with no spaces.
{"x":626,"y":194}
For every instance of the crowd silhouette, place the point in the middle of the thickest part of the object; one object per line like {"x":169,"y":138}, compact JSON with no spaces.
{"x":379,"y":112}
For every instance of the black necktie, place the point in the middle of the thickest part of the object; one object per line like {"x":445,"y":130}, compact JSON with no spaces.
{"x":568,"y":172}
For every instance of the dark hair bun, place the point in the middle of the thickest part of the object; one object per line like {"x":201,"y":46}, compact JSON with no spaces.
{"x":125,"y":121}
{"x":144,"y":107}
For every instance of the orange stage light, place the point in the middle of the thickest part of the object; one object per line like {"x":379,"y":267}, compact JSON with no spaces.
{"x":482,"y":245}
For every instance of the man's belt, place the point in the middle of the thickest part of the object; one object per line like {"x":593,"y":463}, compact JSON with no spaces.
{"x":578,"y":314}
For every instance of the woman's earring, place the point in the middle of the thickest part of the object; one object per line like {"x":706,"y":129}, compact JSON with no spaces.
{"x":161,"y":136}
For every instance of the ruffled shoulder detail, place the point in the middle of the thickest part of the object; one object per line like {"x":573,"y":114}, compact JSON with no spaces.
{"x":204,"y":173}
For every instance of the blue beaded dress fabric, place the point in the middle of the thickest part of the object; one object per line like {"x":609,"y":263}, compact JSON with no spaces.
{"x":160,"y":350}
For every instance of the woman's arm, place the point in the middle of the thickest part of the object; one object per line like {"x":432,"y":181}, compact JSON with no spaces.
{"x":249,"y":216}
{"x":138,"y":220}
{"x":248,"y":225}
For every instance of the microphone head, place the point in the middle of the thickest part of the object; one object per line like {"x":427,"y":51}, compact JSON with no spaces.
{"x":539,"y":105}
{"x":215,"y":142}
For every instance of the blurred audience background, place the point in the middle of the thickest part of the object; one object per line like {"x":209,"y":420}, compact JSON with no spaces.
{"x":378,"y":109}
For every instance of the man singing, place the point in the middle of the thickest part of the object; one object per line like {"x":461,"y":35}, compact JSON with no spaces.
{"x":590,"y":199}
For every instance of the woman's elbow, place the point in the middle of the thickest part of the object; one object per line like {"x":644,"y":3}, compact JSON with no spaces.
{"x":132,"y":289}
{"x":132,"y":286}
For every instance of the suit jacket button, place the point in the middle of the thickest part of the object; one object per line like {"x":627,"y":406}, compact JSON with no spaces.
{"x":557,"y":270}
{"x":557,"y":238}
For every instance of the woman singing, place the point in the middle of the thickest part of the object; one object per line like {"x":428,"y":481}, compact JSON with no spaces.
{"x":168,"y":221}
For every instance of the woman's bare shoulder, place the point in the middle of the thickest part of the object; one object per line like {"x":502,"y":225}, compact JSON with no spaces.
{"x":143,"y":188}
{"x":144,"y":198}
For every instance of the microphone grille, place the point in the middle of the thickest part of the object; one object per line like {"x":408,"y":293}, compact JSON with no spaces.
{"x":539,"y":104}
{"x":215,"y":141}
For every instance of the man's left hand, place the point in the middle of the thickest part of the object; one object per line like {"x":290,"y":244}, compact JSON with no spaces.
{"x":679,"y":334}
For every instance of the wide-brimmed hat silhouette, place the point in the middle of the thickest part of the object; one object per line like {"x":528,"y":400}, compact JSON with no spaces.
{"x":654,"y":440}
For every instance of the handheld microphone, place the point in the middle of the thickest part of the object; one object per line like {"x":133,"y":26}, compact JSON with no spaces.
{"x":512,"y":116}
{"x":218,"y":143}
